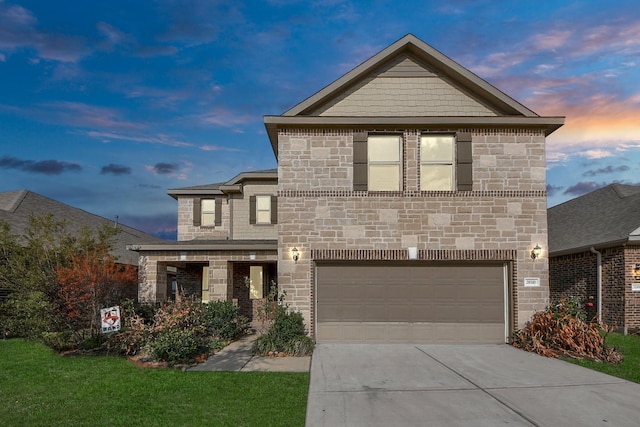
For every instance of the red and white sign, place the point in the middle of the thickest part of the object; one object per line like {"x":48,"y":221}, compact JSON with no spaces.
{"x":110,"y":318}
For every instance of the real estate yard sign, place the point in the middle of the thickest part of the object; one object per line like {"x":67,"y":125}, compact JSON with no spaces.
{"x":110,"y":318}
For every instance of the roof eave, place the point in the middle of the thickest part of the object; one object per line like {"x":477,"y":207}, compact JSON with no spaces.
{"x":602,"y":245}
{"x":254,"y":176}
{"x":272,"y":123}
{"x":207,"y":246}
{"x":193,"y":192}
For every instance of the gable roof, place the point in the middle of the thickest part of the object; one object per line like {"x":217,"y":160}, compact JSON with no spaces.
{"x":17,"y":206}
{"x":231,"y":186}
{"x":433,"y":73}
{"x":604,"y":217}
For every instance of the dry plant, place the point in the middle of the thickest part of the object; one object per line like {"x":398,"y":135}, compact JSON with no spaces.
{"x":560,"y":331}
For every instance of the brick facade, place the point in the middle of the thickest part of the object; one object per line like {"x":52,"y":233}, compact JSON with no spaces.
{"x":505,"y":211}
{"x":577,"y":274}
{"x":632,"y":298}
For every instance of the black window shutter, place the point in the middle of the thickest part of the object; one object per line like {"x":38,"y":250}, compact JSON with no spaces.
{"x":274,"y":209}
{"x":218,"y":213}
{"x":464,"y":161}
{"x":360,"y":159}
{"x":252,"y":210}
{"x":196,"y":212}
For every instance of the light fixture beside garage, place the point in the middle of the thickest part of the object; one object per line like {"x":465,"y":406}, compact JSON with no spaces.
{"x":535,"y":252}
{"x":295,"y":254}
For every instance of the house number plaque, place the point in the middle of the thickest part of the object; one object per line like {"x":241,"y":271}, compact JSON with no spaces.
{"x":531,"y":281}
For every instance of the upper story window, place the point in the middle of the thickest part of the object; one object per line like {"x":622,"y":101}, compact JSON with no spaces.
{"x":446,"y":162}
{"x":263,"y":209}
{"x":437,"y":162}
{"x":384,"y":162}
{"x":208,"y":212}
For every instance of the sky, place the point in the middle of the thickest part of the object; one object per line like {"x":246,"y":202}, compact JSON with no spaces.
{"x":106,"y":105}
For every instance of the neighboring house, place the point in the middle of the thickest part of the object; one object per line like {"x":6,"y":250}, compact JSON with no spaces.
{"x":227,"y":244}
{"x":410,"y":195}
{"x":594,"y":254}
{"x":16,"y":207}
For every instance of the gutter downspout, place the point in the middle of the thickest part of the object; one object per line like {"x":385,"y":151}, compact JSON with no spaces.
{"x":599,"y":291}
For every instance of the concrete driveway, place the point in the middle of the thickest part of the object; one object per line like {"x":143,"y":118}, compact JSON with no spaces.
{"x":461,"y":385}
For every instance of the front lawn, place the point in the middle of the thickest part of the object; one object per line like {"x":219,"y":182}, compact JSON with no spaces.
{"x":41,"y":388}
{"x":629,"y":369}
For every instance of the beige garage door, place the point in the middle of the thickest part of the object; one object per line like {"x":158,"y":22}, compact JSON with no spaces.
{"x":408,"y":302}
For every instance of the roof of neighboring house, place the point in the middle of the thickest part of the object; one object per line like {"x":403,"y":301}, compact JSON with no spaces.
{"x":432,"y":74}
{"x":604,"y":217}
{"x":17,"y":206}
{"x":234,"y":185}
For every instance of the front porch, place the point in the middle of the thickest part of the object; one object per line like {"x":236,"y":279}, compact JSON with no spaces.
{"x":238,"y":271}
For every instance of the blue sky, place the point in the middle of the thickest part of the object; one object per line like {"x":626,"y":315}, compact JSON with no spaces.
{"x":106,"y":105}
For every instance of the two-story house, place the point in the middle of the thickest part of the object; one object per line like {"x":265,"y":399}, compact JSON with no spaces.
{"x":226,"y":248}
{"x":411,"y":201}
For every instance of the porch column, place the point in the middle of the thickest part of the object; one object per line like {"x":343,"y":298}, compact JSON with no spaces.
{"x":218,"y":280}
{"x":152,"y":281}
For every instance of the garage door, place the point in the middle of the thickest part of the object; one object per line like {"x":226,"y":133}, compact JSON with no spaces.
{"x":408,"y":302}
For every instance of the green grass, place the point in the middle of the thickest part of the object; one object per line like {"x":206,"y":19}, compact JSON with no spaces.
{"x":41,"y":388}
{"x":629,"y":369}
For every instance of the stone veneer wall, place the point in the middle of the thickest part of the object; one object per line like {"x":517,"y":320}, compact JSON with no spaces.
{"x":153,"y":267}
{"x":506,"y":211}
{"x":188,"y":231}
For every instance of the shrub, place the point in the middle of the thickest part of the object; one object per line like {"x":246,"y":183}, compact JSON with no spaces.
{"x":300,"y":345}
{"x":27,"y":315}
{"x":568,"y":308}
{"x":560,"y":331}
{"x":59,"y":341}
{"x":223,"y":321}
{"x":127,"y":342}
{"x":286,"y":335}
{"x":176,"y":346}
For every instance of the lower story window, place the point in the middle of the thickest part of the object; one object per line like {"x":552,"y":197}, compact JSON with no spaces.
{"x":256,"y":282}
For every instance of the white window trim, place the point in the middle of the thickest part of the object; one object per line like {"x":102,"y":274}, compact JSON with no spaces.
{"x":258,"y":197}
{"x":451,"y":163}
{"x":211,"y":213}
{"x":398,"y":163}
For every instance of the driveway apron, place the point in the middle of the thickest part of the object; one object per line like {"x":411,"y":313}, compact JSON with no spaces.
{"x":461,"y":385}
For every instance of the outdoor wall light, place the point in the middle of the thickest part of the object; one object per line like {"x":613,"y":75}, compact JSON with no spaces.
{"x":295,"y":254}
{"x":535,"y":252}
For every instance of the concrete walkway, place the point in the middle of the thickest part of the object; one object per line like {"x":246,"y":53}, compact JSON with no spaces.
{"x":461,"y":385}
{"x":238,"y":356}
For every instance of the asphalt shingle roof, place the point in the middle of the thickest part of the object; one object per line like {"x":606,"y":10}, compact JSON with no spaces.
{"x":17,"y":206}
{"x":605,"y":216}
